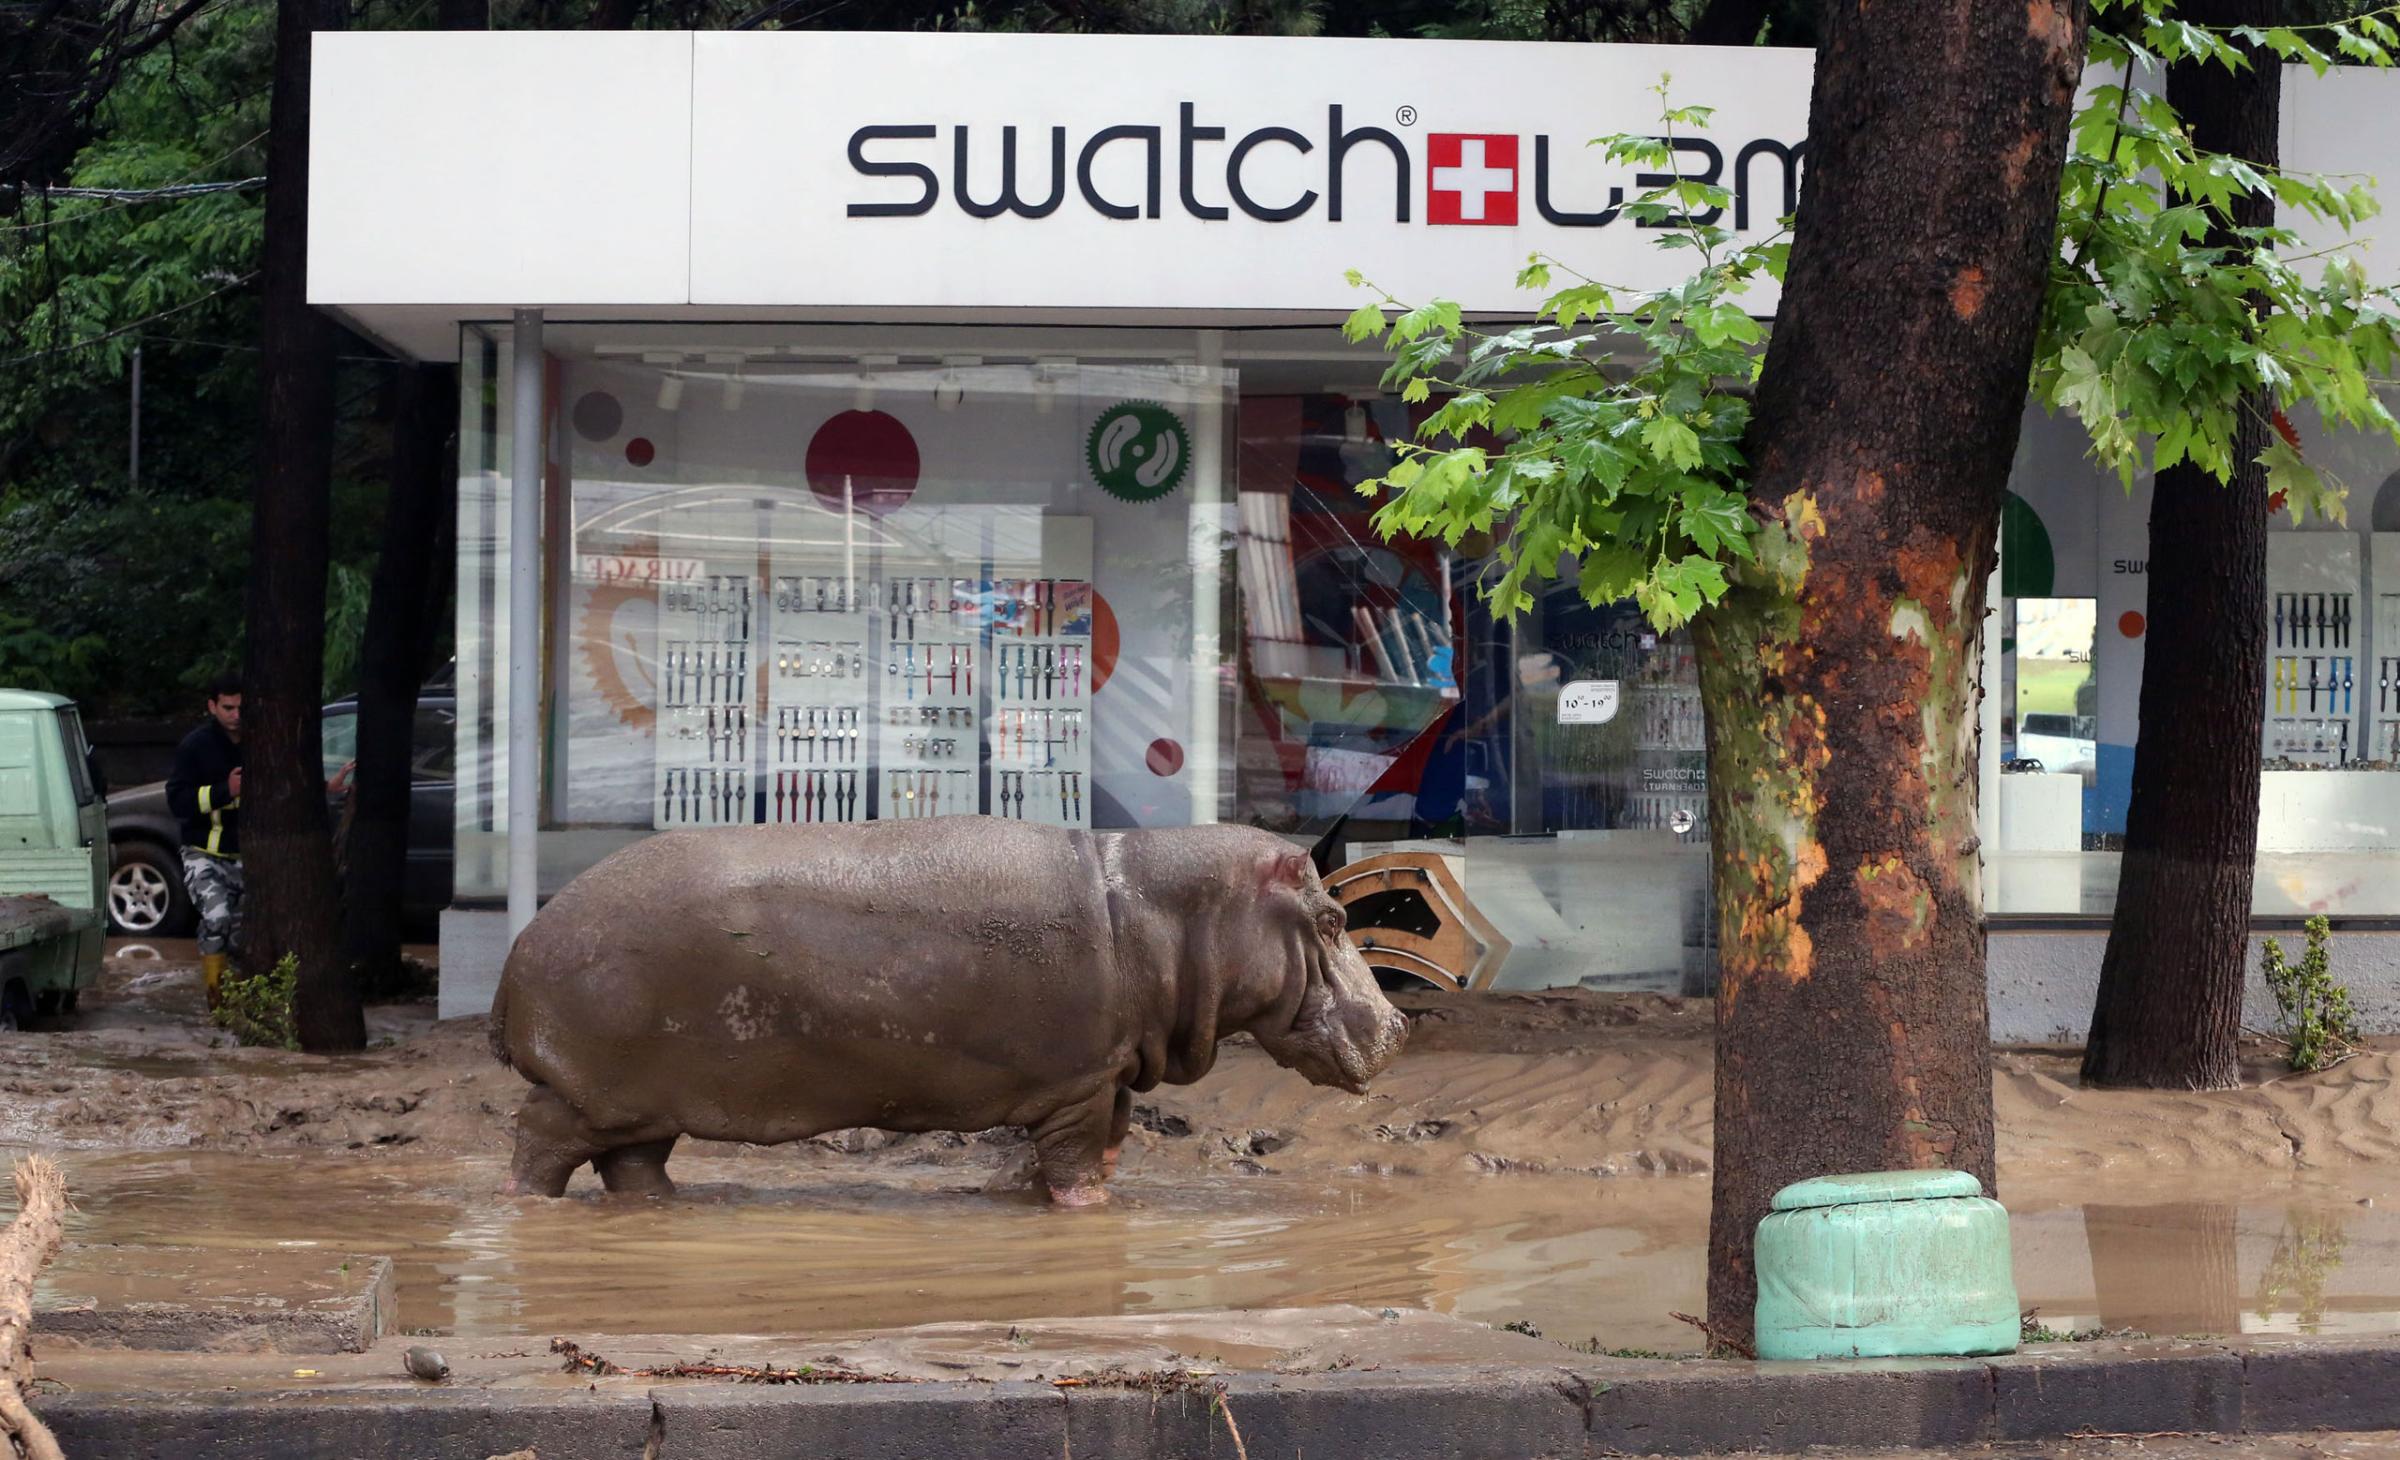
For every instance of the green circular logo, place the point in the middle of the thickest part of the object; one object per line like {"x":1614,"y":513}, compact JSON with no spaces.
{"x":1138,"y":451}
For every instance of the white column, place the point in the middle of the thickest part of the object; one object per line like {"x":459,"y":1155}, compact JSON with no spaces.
{"x":1207,"y":555}
{"x":524,"y":624}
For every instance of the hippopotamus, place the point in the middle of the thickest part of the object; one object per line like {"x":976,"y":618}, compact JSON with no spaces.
{"x":767,"y":984}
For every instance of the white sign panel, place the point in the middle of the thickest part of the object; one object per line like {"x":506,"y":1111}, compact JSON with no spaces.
{"x":1588,"y":702}
{"x":1199,"y":172}
{"x":682,"y":175}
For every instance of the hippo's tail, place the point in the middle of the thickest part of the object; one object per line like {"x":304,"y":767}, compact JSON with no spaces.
{"x":499,"y":1029}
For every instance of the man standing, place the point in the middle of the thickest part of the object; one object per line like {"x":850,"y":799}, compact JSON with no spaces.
{"x":205,"y":793}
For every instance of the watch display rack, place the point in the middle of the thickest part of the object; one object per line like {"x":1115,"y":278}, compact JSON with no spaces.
{"x":705,"y":732}
{"x":818,"y":705}
{"x":933,"y":675}
{"x":2315,"y":635}
{"x":1040,"y":726}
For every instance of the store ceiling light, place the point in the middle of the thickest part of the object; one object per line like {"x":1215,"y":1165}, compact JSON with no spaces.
{"x":864,"y":399}
{"x":731,"y":362}
{"x":1048,"y":372}
{"x":670,"y":385}
{"x":950,"y":390}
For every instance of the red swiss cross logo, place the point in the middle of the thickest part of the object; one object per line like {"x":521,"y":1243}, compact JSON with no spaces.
{"x":1471,"y":178}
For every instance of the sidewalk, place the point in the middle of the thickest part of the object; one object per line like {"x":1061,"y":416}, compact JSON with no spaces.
{"x":1137,"y":1390}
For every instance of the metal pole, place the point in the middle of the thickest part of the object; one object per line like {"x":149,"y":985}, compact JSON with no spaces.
{"x":524,"y":624}
{"x":133,"y":451}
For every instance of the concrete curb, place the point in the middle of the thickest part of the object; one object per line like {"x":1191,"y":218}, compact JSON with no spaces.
{"x":1580,"y":1408}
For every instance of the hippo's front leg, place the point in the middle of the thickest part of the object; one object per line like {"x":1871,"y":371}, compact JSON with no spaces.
{"x":1071,"y":1148}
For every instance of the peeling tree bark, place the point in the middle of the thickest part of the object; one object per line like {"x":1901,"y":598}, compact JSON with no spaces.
{"x":1840,"y":674}
{"x":2169,"y":1011}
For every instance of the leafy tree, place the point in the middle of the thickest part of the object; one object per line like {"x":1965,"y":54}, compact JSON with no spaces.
{"x":1828,"y":541}
{"x":2181,"y":323}
{"x":1837,"y":612}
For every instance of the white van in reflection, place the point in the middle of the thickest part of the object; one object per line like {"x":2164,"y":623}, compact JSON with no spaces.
{"x":2066,"y":745}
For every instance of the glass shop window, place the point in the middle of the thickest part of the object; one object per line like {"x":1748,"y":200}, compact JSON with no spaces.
{"x":796,"y":581}
{"x":1347,"y":652}
{"x":2073,"y":627}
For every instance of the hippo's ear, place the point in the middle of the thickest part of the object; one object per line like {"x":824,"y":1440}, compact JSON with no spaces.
{"x":1287,"y":870}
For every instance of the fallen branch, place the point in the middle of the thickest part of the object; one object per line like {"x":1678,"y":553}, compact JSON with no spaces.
{"x":25,"y":1249}
{"x":1225,"y":1409}
{"x":1717,"y":1341}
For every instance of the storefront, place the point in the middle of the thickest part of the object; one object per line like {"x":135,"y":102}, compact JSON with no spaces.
{"x":929,"y":425}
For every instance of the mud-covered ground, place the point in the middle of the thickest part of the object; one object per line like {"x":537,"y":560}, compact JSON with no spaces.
{"x":1566,"y":1083}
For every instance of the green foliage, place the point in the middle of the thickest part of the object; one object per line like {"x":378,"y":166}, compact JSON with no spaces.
{"x":1606,"y":434}
{"x":2318,"y":1023}
{"x":258,"y":1008}
{"x":156,"y":574}
{"x":31,"y":657}
{"x":2164,"y":322}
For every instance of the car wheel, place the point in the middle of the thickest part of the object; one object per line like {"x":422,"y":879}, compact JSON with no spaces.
{"x":16,"y":1008}
{"x":145,"y":893}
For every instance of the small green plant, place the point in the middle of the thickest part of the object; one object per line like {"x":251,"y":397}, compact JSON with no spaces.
{"x":1594,"y":1347}
{"x":1525,"y":1326}
{"x":2319,"y":1027}
{"x":258,"y":1008}
{"x":2031,"y":1329}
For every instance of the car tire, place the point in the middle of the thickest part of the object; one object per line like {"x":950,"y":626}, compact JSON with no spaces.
{"x":146,"y":897}
{"x":16,"y":1007}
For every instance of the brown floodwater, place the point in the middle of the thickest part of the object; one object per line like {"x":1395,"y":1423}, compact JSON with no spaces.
{"x":1578,"y":1258}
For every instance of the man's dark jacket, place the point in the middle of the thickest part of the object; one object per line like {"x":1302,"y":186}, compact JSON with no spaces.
{"x":200,"y":791}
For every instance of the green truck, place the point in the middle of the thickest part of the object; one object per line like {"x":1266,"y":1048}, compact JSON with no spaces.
{"x":53,"y":857}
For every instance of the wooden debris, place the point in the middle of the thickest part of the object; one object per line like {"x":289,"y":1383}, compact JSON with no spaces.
{"x":25,"y":1249}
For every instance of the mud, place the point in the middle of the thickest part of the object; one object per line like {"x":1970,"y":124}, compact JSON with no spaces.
{"x":1486,"y":1178}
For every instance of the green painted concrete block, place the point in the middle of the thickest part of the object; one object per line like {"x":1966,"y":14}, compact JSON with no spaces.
{"x":1884,"y":1264}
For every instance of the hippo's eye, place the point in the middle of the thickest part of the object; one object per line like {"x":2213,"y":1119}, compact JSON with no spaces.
{"x":1330,"y":925}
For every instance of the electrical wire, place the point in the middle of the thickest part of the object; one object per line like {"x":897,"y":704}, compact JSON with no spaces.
{"x":141,"y":195}
{"x":25,"y":190}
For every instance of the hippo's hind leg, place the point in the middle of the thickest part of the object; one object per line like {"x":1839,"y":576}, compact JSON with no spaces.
{"x":1120,"y":1121}
{"x":1071,"y":1148}
{"x":637,"y":1170}
{"x":552,"y":1140}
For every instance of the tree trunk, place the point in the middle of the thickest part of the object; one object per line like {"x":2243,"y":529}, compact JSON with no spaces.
{"x":1840,"y":674}
{"x":402,"y":616}
{"x":2169,"y":1011}
{"x":286,"y":845}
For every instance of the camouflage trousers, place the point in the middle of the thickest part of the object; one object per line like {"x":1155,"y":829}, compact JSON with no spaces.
{"x":215,"y":885}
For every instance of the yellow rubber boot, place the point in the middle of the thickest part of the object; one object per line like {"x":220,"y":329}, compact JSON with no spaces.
{"x":212,"y":973}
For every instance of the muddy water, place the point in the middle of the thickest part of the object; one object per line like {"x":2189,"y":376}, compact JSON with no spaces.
{"x":1579,"y":1258}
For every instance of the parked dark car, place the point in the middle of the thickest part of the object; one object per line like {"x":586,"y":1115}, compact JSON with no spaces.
{"x":146,"y":896}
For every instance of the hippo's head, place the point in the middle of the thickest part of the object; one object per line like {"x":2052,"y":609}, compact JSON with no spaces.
{"x":1339,"y":1030}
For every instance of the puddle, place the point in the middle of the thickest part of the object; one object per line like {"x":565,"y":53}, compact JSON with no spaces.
{"x":1577,"y":1258}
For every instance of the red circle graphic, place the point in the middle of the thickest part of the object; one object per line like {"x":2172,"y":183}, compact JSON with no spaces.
{"x":873,"y":451}
{"x":1166,"y":757}
{"x":2131,"y":624}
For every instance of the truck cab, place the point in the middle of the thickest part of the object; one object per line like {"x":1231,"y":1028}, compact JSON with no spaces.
{"x":53,"y":857}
